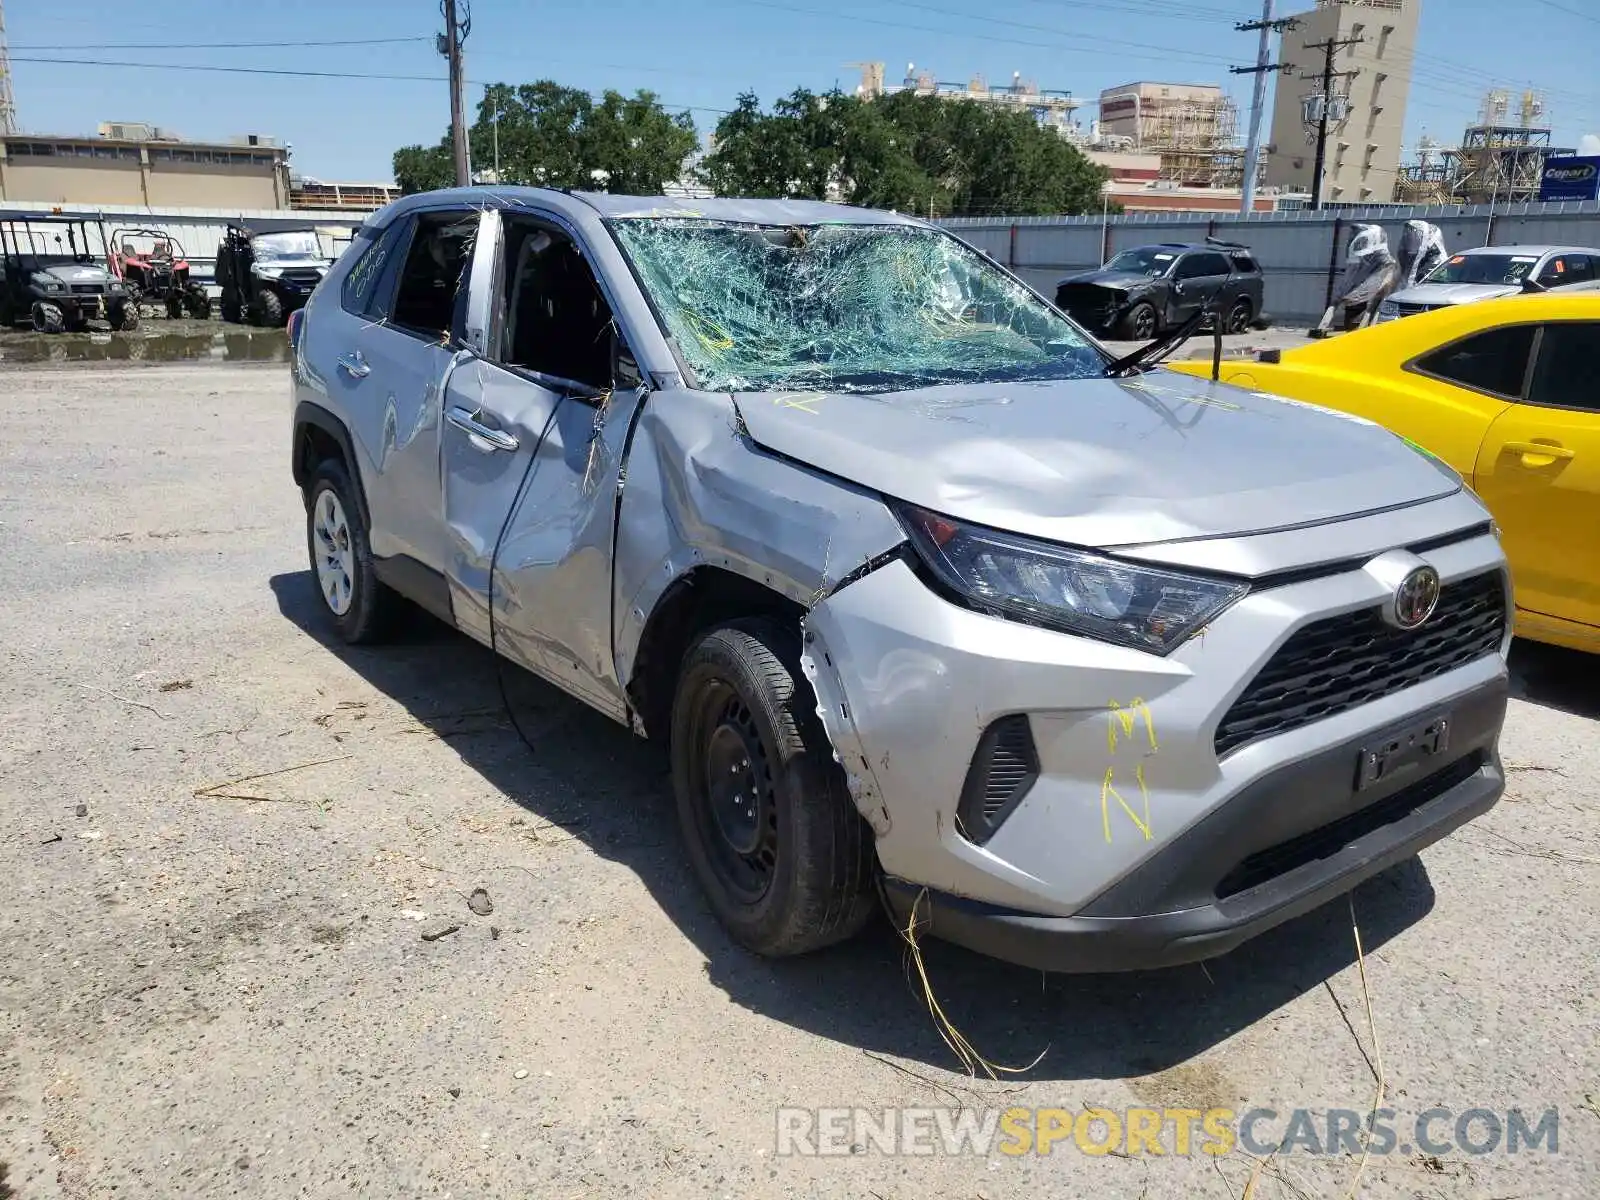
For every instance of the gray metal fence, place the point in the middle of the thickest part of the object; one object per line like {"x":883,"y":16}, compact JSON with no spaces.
{"x":1301,"y":253}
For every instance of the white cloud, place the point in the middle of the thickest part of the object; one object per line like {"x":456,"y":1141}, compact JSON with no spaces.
{"x":1589,"y":143}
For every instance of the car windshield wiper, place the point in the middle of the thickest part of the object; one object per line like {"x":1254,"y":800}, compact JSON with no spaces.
{"x":1154,"y":351}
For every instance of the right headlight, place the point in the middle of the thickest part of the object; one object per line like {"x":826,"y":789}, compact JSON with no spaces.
{"x":1147,"y":608}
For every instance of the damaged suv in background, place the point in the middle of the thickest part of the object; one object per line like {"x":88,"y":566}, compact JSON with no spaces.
{"x":1082,"y":664}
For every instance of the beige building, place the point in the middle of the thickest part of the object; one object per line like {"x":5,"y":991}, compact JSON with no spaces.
{"x":136,"y":165}
{"x":1166,"y":114}
{"x":1364,"y":145}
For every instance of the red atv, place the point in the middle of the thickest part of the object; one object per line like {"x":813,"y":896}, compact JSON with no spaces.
{"x":153,"y":268}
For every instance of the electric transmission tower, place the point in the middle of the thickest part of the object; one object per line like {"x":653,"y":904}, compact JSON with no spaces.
{"x":8,"y":103}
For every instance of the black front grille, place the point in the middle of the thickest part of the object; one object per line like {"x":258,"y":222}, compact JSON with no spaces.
{"x":1004,"y":767}
{"x":87,"y":289}
{"x":1340,"y":663}
{"x":1086,"y":303}
{"x":1267,"y":865}
{"x":1411,"y":310}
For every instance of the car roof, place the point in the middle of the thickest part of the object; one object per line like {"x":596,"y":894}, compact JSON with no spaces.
{"x":579,"y":204}
{"x":1540,"y":250}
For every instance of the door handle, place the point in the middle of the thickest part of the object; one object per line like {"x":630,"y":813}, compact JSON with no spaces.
{"x":493,"y":439}
{"x":1540,"y":454}
{"x":355,"y":365}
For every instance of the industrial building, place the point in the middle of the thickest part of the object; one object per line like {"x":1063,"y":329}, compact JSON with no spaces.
{"x":1052,"y":109}
{"x":1366,"y":104}
{"x":1190,"y":126}
{"x":137,"y":164}
{"x":1500,"y":160}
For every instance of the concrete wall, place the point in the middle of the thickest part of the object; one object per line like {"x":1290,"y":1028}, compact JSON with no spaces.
{"x":1301,"y":253}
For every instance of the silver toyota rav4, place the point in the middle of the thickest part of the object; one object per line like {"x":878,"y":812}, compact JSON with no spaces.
{"x":1077,"y":662}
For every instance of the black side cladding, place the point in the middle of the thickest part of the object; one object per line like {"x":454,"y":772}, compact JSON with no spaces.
{"x":1004,"y":767}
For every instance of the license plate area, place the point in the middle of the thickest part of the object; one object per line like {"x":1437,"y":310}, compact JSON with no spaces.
{"x":1402,"y":750}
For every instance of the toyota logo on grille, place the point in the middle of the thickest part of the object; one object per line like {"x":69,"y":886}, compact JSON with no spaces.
{"x":1416,"y":597}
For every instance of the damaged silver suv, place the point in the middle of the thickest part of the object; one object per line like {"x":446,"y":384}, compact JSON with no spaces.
{"x":1071,"y":660}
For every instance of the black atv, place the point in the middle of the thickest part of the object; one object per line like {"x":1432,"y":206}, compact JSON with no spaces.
{"x":53,"y":281}
{"x":266,"y":272}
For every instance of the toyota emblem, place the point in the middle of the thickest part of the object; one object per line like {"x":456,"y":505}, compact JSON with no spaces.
{"x":1416,"y":597}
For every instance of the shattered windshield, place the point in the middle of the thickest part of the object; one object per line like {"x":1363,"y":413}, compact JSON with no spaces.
{"x":1146,"y":260}
{"x":866,"y":308}
{"x":269,"y":247}
{"x":1484,"y":268}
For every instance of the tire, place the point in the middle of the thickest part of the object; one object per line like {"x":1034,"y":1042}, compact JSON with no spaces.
{"x":48,"y":318}
{"x":792,"y":872}
{"x":231,"y":312}
{"x":124,"y":317}
{"x":198,"y":304}
{"x":267,"y":309}
{"x":175,"y":308}
{"x":1239,"y":316}
{"x":1139,"y":323}
{"x":361,"y":608}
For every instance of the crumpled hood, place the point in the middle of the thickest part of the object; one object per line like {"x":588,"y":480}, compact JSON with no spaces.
{"x":1122,"y":281}
{"x":74,"y":273}
{"x":1102,"y":462}
{"x":1453,"y":293}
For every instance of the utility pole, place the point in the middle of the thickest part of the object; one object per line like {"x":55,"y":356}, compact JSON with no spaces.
{"x":455,"y":33}
{"x":1325,"y":105}
{"x":1263,"y":68}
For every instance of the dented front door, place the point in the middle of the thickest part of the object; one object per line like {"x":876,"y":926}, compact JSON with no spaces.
{"x":530,"y":484}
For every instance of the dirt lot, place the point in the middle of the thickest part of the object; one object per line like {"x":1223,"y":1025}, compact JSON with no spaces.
{"x":212,"y":988}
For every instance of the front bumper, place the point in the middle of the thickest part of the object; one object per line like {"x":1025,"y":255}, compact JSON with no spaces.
{"x":1128,"y":787}
{"x":1165,"y":913}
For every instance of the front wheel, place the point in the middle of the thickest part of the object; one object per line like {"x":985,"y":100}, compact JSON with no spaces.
{"x":1139,"y":322}
{"x":48,"y":318}
{"x":362,"y":608}
{"x":785,"y":859}
{"x":267,"y":309}
{"x":198,"y":304}
{"x":124,"y":316}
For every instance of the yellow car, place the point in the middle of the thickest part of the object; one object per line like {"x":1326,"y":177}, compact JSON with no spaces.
{"x":1508,"y":393}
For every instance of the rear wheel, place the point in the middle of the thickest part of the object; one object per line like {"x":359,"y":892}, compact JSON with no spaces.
{"x":1239,"y":316}
{"x":785,"y":859}
{"x":362,"y":608}
{"x":1139,"y":322}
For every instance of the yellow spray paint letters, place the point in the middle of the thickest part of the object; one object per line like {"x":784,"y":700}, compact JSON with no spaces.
{"x":1121,"y":723}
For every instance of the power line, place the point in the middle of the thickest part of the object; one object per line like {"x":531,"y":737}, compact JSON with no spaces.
{"x":284,"y":71}
{"x":223,"y":45}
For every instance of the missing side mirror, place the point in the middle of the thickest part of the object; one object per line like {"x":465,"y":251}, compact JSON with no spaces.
{"x":625,"y":373}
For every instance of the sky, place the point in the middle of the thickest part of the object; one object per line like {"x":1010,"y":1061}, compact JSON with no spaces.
{"x":699,"y":55}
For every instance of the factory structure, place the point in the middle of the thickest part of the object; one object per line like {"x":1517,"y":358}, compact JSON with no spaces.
{"x":1500,"y":159}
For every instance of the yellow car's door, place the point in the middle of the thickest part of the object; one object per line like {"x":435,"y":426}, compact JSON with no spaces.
{"x":1538,"y":470}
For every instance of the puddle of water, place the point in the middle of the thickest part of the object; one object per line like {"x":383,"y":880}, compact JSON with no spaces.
{"x":231,"y":345}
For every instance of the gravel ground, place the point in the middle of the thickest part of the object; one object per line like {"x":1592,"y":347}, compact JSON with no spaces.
{"x":229,"y":989}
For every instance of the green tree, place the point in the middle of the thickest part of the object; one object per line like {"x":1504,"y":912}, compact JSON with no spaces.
{"x":553,"y":136}
{"x":923,"y":154}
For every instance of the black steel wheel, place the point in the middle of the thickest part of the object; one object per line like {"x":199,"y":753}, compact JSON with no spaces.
{"x":785,"y":859}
